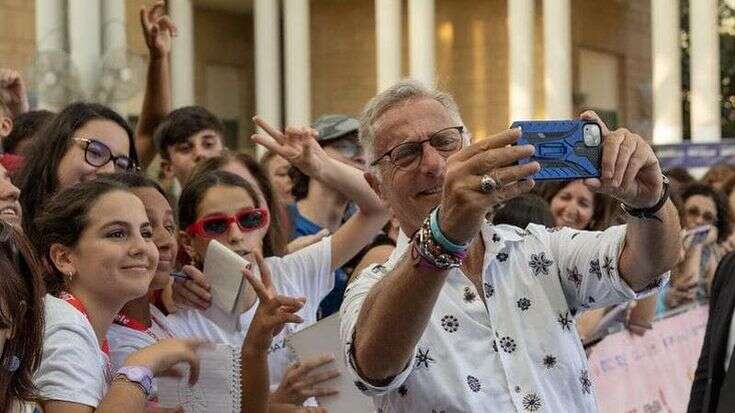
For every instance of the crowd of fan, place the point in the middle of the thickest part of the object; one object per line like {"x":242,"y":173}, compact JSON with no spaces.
{"x":89,"y":243}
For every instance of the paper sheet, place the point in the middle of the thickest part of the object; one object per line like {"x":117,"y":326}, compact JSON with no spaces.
{"x":223,"y":268}
{"x":218,"y":388}
{"x":323,"y":337}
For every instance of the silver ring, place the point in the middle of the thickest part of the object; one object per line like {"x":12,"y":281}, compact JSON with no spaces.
{"x":487,"y":184}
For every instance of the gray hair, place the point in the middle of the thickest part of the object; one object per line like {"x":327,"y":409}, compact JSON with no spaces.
{"x":403,"y":91}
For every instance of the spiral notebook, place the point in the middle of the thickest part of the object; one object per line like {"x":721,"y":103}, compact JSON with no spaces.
{"x":323,"y":337}
{"x":218,"y":387}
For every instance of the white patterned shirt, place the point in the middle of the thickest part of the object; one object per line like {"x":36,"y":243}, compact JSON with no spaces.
{"x":520,"y":353}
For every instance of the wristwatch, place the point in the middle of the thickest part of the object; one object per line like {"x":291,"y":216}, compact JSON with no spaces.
{"x":650,"y":212}
{"x":142,"y":376}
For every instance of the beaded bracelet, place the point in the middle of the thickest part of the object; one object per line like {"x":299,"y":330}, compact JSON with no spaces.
{"x":432,"y":254}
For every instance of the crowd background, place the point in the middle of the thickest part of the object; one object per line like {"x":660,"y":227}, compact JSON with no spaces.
{"x":176,"y":86}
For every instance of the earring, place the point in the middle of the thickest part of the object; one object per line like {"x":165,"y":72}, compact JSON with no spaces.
{"x":12,"y":364}
{"x":71,"y":275}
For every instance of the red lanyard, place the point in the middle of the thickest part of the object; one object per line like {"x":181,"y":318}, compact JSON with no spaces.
{"x":74,"y":301}
{"x":129,"y":322}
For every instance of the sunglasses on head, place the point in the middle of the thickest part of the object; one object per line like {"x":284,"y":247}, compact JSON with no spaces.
{"x":215,"y":225}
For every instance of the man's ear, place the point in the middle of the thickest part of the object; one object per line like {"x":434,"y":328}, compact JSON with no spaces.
{"x":6,"y":126}
{"x":61,"y":258}
{"x":186,"y":242}
{"x":374,"y":183}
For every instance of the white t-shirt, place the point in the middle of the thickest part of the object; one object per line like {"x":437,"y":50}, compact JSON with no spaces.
{"x":124,"y":340}
{"x":305,"y":273}
{"x":73,"y":368}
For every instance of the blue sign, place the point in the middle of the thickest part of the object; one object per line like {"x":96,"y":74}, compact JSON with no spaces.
{"x":695,"y":155}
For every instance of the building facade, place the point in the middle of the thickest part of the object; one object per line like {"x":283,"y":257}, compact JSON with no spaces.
{"x":293,"y":60}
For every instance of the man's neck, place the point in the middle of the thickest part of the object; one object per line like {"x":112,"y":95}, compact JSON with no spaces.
{"x":100,"y":313}
{"x":139,"y":310}
{"x":324,"y":207}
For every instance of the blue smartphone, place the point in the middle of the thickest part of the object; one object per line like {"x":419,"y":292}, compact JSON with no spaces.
{"x":565,"y":149}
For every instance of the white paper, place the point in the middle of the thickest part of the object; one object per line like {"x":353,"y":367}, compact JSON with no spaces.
{"x":223,"y":267}
{"x":218,"y":387}
{"x":323,"y":337}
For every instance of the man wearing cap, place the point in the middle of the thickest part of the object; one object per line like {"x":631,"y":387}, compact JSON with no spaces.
{"x":467,"y":316}
{"x":320,"y":209}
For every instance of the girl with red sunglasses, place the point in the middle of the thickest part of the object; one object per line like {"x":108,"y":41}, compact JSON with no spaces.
{"x":219,"y":205}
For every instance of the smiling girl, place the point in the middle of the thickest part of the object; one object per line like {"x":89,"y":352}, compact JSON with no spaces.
{"x":97,"y":241}
{"x":82,"y":141}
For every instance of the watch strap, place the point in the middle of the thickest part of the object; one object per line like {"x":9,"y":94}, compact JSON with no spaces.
{"x":141,"y":376}
{"x":650,"y":212}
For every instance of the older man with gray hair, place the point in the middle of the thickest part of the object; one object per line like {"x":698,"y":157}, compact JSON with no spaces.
{"x":469,"y":317}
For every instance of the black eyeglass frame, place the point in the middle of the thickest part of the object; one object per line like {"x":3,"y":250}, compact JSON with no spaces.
{"x":420,"y":143}
{"x":112,"y":158}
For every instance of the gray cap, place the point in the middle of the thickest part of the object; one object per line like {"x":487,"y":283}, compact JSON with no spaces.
{"x":335,"y":126}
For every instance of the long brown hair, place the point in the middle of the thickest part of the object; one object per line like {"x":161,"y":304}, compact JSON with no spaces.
{"x":38,"y":180}
{"x":21,"y":311}
{"x":276,"y":238}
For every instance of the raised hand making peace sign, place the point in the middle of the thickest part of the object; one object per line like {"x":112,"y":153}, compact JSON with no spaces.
{"x":158,"y":29}
{"x":297,"y":145}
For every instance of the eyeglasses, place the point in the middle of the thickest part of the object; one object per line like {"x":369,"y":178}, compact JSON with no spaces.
{"x":407,"y":155}
{"x":215,"y":225}
{"x":98,"y":154}
{"x":707,"y":216}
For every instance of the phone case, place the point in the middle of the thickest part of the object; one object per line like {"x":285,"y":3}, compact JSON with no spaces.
{"x":560,"y":149}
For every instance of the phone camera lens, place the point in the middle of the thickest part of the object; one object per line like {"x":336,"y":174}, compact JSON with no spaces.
{"x":591,"y":135}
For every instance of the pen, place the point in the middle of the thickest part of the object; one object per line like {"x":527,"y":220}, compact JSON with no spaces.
{"x":180,"y":275}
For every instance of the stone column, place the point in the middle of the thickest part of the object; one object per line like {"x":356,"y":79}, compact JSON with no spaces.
{"x":85,"y":41}
{"x":388,"y":42}
{"x":50,"y":35}
{"x":558,"y":59}
{"x":520,"y":64}
{"x":298,"y":70}
{"x":182,"y":54}
{"x":267,"y":25}
{"x":421,"y":40}
{"x":667,"y":110}
{"x":705,"y":71}
{"x":114,"y":37}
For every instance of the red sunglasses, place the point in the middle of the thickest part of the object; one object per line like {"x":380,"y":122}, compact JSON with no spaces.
{"x":215,"y":225}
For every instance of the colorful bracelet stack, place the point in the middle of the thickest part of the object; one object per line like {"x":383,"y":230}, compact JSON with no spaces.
{"x":433,"y":247}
